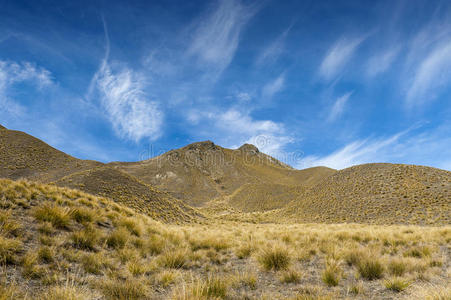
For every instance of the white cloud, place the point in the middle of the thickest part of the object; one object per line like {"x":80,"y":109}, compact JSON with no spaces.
{"x":273,"y":87}
{"x":129,"y":110}
{"x":272,"y":52}
{"x":337,"y":57}
{"x":429,"y":148}
{"x":123,"y":97}
{"x":243,"y":96}
{"x":338,"y":107}
{"x":235,"y":121}
{"x":381,"y":62}
{"x":12,"y":73}
{"x":433,"y":73}
{"x":216,"y":38}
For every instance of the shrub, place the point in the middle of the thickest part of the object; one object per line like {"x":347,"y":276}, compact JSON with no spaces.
{"x":370,"y":269}
{"x":396,"y":284}
{"x":275,"y":258}
{"x":58,"y":216}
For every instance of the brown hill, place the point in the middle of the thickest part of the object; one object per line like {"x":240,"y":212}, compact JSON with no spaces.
{"x":24,"y":156}
{"x":377,"y":194}
{"x":203,"y":171}
{"x":129,"y":191}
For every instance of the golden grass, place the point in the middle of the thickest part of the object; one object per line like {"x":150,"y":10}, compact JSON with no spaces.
{"x":118,"y":253}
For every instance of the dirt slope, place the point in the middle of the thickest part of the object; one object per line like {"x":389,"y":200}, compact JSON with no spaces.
{"x":377,"y":194}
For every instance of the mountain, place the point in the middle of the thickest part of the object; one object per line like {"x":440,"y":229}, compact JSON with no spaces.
{"x":24,"y":156}
{"x":376,"y":194}
{"x":129,"y":191}
{"x":203,"y":171}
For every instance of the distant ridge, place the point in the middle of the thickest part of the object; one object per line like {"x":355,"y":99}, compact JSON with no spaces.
{"x":377,"y":194}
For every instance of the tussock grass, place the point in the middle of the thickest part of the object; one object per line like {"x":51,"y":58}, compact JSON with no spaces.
{"x":370,"y":268}
{"x":9,"y":248}
{"x":212,"y":287}
{"x":128,"y":289}
{"x":275,"y":258}
{"x":118,"y":238}
{"x":130,"y":255}
{"x":332,"y":273}
{"x":290,"y":276}
{"x":86,"y":239}
{"x":173,"y":259}
{"x":396,"y":284}
{"x":58,"y":216}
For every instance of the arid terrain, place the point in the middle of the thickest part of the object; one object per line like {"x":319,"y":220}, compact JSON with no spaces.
{"x":205,"y":222}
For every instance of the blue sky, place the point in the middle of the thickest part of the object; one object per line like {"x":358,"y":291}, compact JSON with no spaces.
{"x":333,"y":83}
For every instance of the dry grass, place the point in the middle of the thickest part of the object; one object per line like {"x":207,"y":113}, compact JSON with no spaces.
{"x":117,"y":253}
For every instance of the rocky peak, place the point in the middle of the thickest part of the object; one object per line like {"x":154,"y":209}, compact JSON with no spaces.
{"x":1,"y":127}
{"x":249,"y":148}
{"x":202,"y":146}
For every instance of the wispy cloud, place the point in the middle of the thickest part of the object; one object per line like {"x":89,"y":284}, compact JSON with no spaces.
{"x":234,"y":127}
{"x":433,"y":73}
{"x":338,"y":107}
{"x":123,"y":97}
{"x":337,"y":57}
{"x":12,"y":73}
{"x":273,"y":51}
{"x":129,"y":110}
{"x":404,"y":147}
{"x":216,"y":38}
{"x":381,"y":62}
{"x":273,"y":87}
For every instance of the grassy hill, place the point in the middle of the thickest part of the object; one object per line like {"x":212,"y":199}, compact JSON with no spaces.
{"x":129,"y":191}
{"x":60,"y":243}
{"x":201,"y":172}
{"x":24,"y":156}
{"x":377,"y":194}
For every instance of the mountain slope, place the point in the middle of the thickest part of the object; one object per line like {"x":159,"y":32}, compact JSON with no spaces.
{"x":24,"y":156}
{"x":129,"y":191}
{"x":203,"y":171}
{"x":377,"y":194}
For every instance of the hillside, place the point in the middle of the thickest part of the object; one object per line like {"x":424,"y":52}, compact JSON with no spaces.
{"x":58,"y":243}
{"x":129,"y":191}
{"x":377,"y":194}
{"x":24,"y":156}
{"x":201,"y":172}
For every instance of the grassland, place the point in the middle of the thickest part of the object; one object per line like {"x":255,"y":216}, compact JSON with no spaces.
{"x":59,"y":243}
